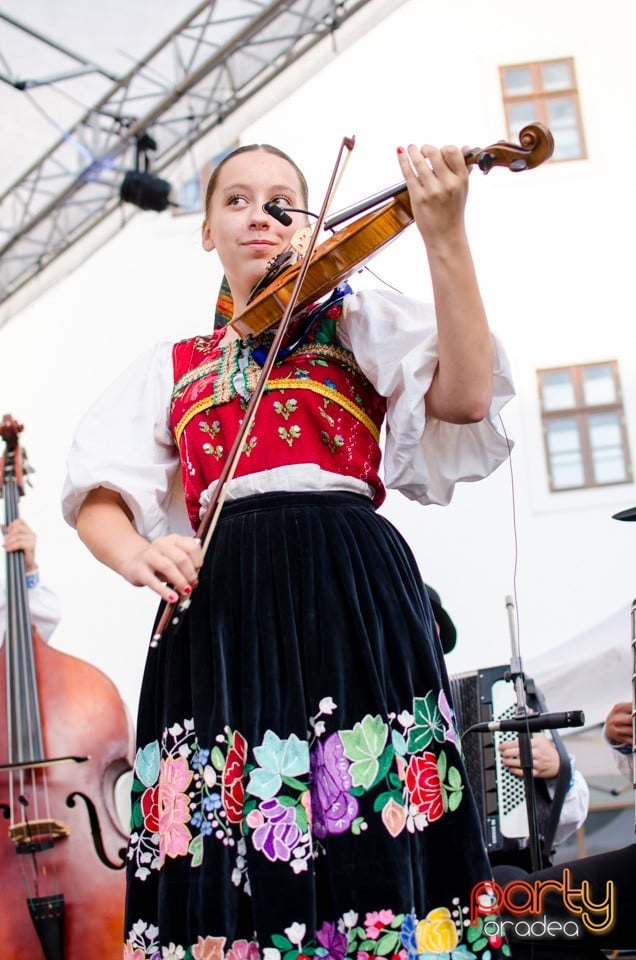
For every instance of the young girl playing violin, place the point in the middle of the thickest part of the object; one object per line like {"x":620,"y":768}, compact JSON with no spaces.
{"x":298,"y":790}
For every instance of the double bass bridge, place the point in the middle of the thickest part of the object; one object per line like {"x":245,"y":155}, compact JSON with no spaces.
{"x":31,"y":836}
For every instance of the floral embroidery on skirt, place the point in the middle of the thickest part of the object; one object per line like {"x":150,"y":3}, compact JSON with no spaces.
{"x":298,"y":789}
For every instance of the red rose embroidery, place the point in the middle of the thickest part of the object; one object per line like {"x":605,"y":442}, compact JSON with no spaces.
{"x":232,"y":789}
{"x":424,"y":787}
{"x":150,"y":808}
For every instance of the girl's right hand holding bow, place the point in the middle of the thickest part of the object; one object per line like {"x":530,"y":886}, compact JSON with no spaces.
{"x":168,"y":565}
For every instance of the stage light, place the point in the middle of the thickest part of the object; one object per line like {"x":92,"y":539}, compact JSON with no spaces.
{"x":145,"y":190}
{"x":141,"y":187}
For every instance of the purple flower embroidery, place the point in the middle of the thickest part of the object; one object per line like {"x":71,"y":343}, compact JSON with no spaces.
{"x":447,"y":712}
{"x":278,"y":836}
{"x":333,"y":809}
{"x":333,"y":941}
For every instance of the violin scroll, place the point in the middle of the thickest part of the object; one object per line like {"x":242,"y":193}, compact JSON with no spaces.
{"x":536,"y":144}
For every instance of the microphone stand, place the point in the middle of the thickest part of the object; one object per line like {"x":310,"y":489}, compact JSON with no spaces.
{"x":516,"y":676}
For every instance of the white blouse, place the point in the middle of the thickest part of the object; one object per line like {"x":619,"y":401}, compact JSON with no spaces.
{"x":124,"y":442}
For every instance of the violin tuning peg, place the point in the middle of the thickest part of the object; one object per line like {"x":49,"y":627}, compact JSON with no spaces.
{"x":485,"y":161}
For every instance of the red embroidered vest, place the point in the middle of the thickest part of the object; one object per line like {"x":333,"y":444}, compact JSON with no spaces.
{"x":318,"y":408}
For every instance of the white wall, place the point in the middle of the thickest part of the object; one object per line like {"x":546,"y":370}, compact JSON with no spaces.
{"x":554,"y":254}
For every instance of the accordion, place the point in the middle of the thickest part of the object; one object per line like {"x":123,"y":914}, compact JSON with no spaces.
{"x":484,"y":696}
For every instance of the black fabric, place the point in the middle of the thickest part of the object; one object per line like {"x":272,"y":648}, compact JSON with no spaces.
{"x":310,"y":616}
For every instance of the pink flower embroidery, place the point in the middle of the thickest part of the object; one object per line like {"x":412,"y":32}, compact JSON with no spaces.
{"x":133,"y":953}
{"x":210,"y":948}
{"x":374,"y":923}
{"x":242,"y":950}
{"x":174,"y":808}
{"x":394,"y":817}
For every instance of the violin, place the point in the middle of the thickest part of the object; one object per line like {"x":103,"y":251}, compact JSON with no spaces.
{"x":65,"y":737}
{"x":352,"y":247}
{"x":322,"y":268}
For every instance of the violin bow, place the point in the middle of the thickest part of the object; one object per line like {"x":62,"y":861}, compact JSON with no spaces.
{"x":173,"y":612}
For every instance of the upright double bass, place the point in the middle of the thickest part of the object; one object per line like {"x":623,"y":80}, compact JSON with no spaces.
{"x":64,"y":742}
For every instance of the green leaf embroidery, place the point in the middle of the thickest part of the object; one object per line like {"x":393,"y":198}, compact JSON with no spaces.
{"x":388,"y":943}
{"x":136,"y":816}
{"x":383,"y":798}
{"x":357,"y":825}
{"x":295,"y":784}
{"x":281,"y":942}
{"x":363,"y":745}
{"x":196,"y":850}
{"x":455,"y":779}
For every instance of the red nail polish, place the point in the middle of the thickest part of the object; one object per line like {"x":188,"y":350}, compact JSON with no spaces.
{"x":173,"y":597}
{"x":187,"y":591}
{"x":400,"y":149}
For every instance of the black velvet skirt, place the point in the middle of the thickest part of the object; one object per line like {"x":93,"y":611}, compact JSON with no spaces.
{"x":298,"y":789}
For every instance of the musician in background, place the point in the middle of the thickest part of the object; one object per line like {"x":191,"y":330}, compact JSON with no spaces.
{"x":618,"y":733}
{"x":44,"y":605}
{"x":545,"y":766}
{"x":545,"y":757}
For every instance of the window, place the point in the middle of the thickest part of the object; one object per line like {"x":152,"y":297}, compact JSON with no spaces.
{"x":583,"y":426}
{"x":545,"y":92}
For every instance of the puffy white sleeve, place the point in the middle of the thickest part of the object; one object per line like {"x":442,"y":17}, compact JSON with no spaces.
{"x":124,"y":443}
{"x":576,"y":805}
{"x":394,"y":340}
{"x":623,"y":756}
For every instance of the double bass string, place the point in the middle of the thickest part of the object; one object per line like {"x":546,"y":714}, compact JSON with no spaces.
{"x":28,"y":786}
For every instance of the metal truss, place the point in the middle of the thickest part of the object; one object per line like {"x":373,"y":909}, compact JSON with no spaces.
{"x":211,"y":64}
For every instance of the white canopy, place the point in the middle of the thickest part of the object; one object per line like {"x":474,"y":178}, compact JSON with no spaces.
{"x":591,"y":671}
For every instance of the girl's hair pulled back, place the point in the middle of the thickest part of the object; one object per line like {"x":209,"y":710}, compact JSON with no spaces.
{"x":253,"y":148}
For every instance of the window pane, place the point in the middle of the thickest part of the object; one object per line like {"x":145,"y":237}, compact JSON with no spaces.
{"x":561,"y":112}
{"x":556,"y":76}
{"x":564,"y":448}
{"x":517,"y":80}
{"x":567,"y":144}
{"x":607,"y":448}
{"x":558,"y":390}
{"x":598,"y":385}
{"x":520,"y":114}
